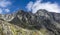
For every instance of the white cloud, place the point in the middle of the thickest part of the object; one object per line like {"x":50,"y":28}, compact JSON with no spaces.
{"x":7,"y":10}
{"x":29,"y":6}
{"x":34,"y":6}
{"x":4,"y":3}
{"x":1,"y":11}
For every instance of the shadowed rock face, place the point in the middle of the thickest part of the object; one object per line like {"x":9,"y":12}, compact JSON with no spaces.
{"x":46,"y":23}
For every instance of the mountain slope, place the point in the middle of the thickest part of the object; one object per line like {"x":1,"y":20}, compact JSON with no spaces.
{"x":43,"y":22}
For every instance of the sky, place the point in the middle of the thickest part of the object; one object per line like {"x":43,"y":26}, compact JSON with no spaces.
{"x":10,"y":6}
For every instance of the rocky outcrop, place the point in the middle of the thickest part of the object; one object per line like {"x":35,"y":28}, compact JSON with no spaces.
{"x":27,"y":23}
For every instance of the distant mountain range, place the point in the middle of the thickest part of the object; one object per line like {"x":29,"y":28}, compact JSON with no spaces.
{"x":42,"y":19}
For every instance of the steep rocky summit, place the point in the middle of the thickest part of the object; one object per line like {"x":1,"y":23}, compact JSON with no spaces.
{"x":26,"y":23}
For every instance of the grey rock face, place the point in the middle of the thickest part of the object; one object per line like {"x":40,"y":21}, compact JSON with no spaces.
{"x":42,"y":19}
{"x":7,"y":17}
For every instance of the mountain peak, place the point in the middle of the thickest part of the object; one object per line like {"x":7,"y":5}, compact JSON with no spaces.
{"x":42,"y":19}
{"x":42,"y":10}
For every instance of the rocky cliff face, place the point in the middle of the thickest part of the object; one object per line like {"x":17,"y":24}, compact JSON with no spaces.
{"x":27,"y":23}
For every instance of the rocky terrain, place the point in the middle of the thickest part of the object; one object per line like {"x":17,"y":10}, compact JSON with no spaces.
{"x":27,"y":23}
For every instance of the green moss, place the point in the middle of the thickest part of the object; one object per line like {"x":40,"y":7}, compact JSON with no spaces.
{"x":16,"y":30}
{"x":13,"y":29}
{"x":43,"y":31}
{"x":1,"y":30}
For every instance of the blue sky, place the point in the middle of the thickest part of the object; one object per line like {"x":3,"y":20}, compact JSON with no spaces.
{"x":9,"y":6}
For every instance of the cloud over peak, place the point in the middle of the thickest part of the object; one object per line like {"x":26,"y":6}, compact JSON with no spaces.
{"x":51,"y":7}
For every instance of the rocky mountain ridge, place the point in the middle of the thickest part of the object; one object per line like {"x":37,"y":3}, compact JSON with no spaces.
{"x":42,"y":20}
